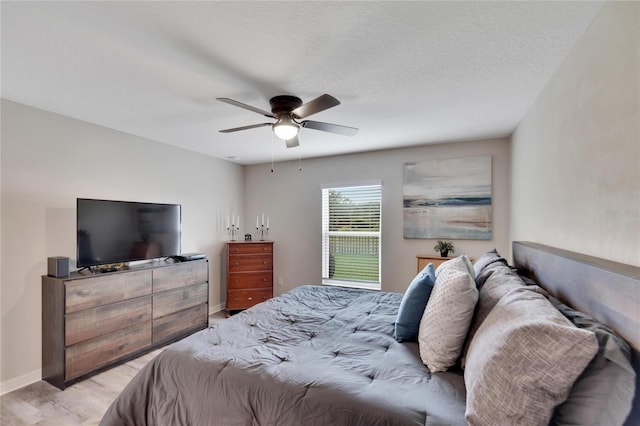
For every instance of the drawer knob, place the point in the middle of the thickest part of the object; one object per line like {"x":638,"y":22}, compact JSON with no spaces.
{"x":236,"y":299}
{"x":249,"y":298}
{"x":264,"y":280}
{"x":264,"y":262}
{"x":237,"y":281}
{"x":236,"y":264}
{"x":264,"y":249}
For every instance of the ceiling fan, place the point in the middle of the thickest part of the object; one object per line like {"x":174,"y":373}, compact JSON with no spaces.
{"x":288,"y":110}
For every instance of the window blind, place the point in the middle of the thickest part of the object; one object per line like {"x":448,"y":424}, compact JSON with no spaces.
{"x":351,"y":225}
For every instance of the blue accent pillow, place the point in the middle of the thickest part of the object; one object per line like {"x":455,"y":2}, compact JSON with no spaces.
{"x":413,"y":303}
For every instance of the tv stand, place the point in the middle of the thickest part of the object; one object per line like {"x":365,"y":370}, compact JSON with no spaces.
{"x":93,"y":322}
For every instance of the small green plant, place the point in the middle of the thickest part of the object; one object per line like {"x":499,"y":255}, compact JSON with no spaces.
{"x":444,"y":247}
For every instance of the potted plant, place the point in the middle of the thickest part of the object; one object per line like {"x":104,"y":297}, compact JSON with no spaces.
{"x":444,"y":247}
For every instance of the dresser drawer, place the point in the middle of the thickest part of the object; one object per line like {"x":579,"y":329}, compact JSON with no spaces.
{"x":180,"y":323}
{"x":250,"y":263}
{"x":242,"y":299}
{"x":87,"y":356}
{"x":176,"y":300}
{"x":94,"y":322}
{"x":250,"y":248}
{"x":181,"y":275}
{"x":247,"y":280}
{"x":96,"y":291}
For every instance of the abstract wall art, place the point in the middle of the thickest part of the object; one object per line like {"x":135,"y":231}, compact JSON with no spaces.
{"x":448,"y":198}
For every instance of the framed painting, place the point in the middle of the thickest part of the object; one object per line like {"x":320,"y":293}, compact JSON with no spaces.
{"x":448,"y":198}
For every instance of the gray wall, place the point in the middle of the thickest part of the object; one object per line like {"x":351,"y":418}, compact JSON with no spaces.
{"x":47,"y":162}
{"x":576,"y":154}
{"x":292,"y":199}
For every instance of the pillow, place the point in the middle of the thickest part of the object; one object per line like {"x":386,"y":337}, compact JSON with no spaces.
{"x":446,"y":318}
{"x":461,"y":263}
{"x":486,"y":265}
{"x":501,"y":282}
{"x":413,"y":303}
{"x":523,"y":361}
{"x":603,"y":394}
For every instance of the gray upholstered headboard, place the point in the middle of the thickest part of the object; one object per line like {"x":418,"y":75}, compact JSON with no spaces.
{"x":606,"y":290}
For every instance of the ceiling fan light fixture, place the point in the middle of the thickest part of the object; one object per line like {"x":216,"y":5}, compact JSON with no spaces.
{"x":286,"y":128}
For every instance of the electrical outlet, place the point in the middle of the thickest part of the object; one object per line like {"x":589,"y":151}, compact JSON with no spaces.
{"x":279,"y":282}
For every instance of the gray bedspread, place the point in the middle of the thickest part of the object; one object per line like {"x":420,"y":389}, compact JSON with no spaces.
{"x":316,"y":355}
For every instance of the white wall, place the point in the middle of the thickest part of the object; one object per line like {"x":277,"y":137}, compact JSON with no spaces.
{"x":47,"y":162}
{"x":292,"y":199}
{"x":576,"y":154}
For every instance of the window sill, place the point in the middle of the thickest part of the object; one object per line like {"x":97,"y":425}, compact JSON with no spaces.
{"x":352,"y":284}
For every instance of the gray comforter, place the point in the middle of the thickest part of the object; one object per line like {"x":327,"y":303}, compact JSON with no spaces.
{"x":316,"y":355}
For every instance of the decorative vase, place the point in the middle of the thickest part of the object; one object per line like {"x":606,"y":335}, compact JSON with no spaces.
{"x":444,"y":253}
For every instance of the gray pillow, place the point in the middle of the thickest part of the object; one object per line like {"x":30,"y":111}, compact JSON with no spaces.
{"x":502,"y":281}
{"x":486,"y":265}
{"x":603,"y":394}
{"x":523,"y":361}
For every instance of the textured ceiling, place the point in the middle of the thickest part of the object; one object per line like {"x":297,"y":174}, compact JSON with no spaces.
{"x":407,"y":73}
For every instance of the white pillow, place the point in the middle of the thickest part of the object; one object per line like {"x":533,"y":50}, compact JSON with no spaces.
{"x":461,"y":263}
{"x":446,"y":319}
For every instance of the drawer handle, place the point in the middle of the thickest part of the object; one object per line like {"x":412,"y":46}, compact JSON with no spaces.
{"x":264,"y":262}
{"x":264,"y":280}
{"x":249,"y":298}
{"x":237,"y":281}
{"x":236,"y":264}
{"x":236,"y":299}
{"x":264,"y":249}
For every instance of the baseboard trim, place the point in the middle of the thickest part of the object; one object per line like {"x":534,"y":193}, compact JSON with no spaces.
{"x":217,"y":308}
{"x":20,"y":381}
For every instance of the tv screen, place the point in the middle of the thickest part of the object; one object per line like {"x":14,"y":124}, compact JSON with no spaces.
{"x":122,"y":231}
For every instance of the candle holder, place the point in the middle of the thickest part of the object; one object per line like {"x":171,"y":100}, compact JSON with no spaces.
{"x":232,"y":231}
{"x":262,"y":231}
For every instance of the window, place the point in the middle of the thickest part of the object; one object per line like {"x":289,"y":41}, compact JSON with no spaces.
{"x":351,"y":236}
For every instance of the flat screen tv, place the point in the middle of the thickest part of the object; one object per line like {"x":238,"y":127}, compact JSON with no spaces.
{"x":111,"y":232}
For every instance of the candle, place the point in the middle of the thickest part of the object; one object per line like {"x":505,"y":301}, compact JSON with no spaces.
{"x":227,"y":221}
{"x":257,"y":222}
{"x":263,"y":218}
{"x":238,"y":221}
{"x":267,"y":222}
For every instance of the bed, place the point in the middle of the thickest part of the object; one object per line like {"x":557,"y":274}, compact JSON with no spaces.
{"x":321,"y":355}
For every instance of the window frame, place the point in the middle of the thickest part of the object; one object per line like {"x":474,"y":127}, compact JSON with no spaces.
{"x":326,"y":234}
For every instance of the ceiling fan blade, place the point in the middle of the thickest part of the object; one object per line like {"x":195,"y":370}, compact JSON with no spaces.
{"x":293,"y":142}
{"x":312,"y":107}
{"x":245,"y":106}
{"x":328,"y":127}
{"x":252,"y":126}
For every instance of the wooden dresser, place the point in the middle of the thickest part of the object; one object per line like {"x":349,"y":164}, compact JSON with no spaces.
{"x":94,"y":321}
{"x":248,"y":273}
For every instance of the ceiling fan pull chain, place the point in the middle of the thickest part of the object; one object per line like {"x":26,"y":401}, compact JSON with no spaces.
{"x":272,"y":144}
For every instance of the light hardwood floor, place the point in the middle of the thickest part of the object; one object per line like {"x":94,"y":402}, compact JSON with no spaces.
{"x":81,"y":404}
